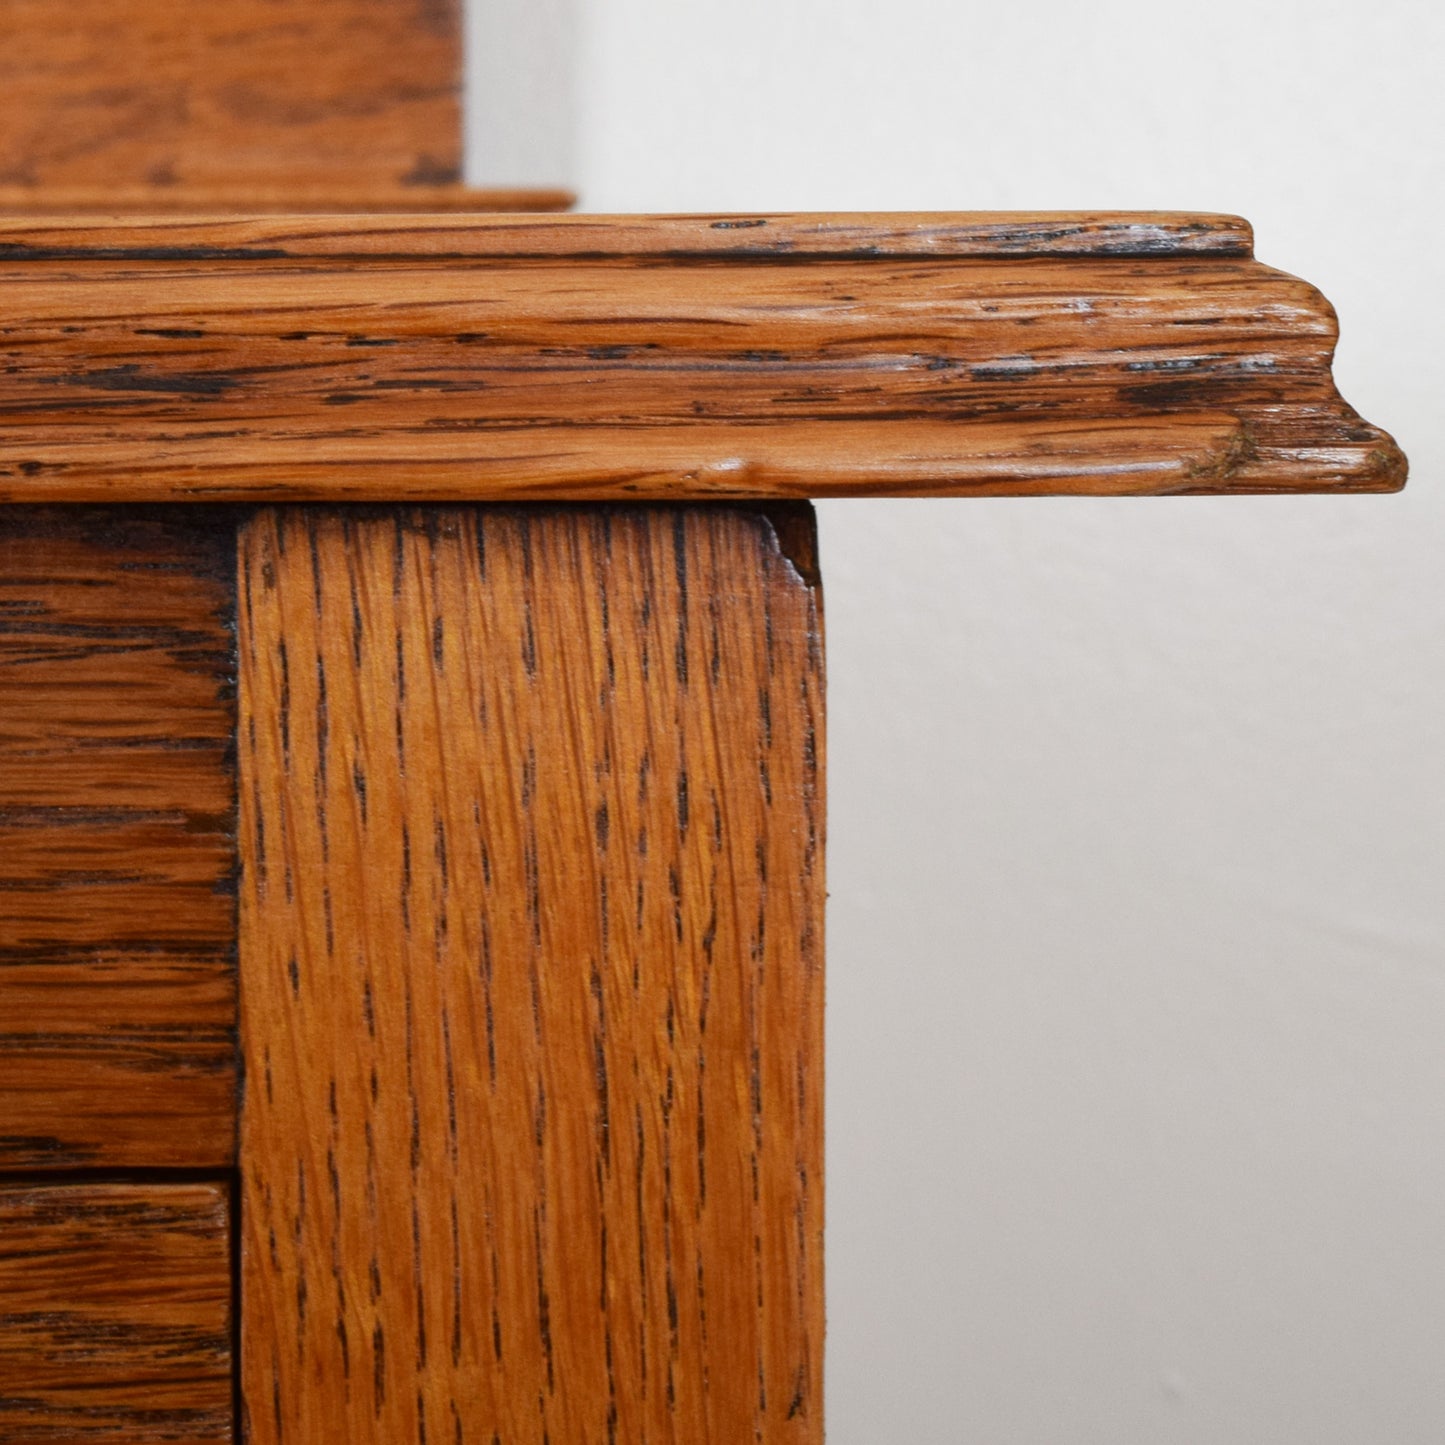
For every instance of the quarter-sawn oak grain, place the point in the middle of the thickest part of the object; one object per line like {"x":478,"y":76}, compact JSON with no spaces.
{"x":411,"y":358}
{"x":532,"y":988}
{"x":115,"y":1314}
{"x":117,"y":839}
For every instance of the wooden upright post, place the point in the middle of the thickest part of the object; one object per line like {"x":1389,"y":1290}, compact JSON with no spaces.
{"x":531,"y":967}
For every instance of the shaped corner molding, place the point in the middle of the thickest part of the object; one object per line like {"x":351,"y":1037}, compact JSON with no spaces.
{"x":447,"y":357}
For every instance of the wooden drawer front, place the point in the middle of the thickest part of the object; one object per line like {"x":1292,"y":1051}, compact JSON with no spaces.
{"x":117,"y":848}
{"x":115,"y":1314}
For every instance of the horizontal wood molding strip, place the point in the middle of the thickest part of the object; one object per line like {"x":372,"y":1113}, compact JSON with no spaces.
{"x":864,"y":458}
{"x":532,"y":976}
{"x":115,"y":1314}
{"x":802,"y":236}
{"x":117,"y":839}
{"x":579,"y":358}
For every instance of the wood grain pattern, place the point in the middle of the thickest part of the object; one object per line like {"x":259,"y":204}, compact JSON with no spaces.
{"x":316,"y":198}
{"x":876,"y":235}
{"x":261,"y":95}
{"x":532,"y":1004}
{"x":117,"y":839}
{"x":425,"y":359}
{"x":115,"y":1314}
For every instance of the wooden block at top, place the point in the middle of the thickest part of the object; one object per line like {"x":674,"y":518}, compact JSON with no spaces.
{"x":117,"y":850}
{"x":531,"y":952}
{"x":259,"y":96}
{"x":115,"y":1315}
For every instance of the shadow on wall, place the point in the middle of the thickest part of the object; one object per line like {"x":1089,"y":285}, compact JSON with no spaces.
{"x":521,"y":92}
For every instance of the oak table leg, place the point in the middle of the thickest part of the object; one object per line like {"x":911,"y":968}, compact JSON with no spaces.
{"x":531,"y":976}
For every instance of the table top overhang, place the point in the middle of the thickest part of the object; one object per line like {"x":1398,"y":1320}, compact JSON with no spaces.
{"x":432,"y":357}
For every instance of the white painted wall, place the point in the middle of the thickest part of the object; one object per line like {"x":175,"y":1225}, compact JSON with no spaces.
{"x":1137,"y":928}
{"x":523,"y":91}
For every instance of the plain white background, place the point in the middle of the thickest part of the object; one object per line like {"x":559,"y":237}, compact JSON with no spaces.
{"x":1137,"y":927}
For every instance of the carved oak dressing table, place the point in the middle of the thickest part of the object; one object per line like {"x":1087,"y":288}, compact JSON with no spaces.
{"x":411,"y":719}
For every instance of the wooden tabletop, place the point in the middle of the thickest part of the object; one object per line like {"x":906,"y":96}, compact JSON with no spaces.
{"x":440,"y":356}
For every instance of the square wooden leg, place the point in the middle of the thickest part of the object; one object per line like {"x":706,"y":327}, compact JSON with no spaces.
{"x":531,"y":975}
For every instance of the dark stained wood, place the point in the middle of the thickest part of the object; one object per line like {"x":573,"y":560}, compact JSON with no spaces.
{"x":117,"y":839}
{"x":531,"y":951}
{"x":249,"y":95}
{"x":431,"y":359}
{"x":115,"y":1314}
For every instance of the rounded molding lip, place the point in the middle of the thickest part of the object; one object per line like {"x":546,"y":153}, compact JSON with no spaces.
{"x":453,"y":357}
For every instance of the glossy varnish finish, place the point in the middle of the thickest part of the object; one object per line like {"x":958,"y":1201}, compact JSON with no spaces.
{"x":259,"y":95}
{"x":593,"y":358}
{"x":531,"y":955}
{"x":117,"y":839}
{"x":115,"y":1322}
